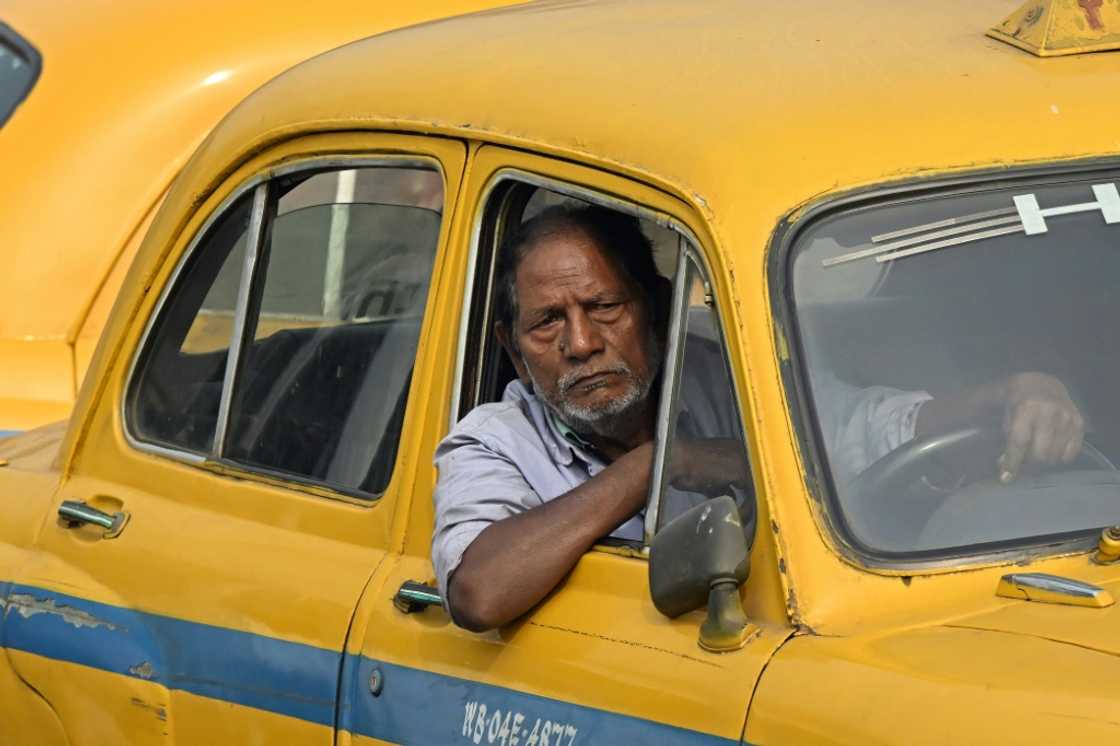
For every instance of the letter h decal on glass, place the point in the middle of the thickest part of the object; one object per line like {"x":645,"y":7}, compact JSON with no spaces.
{"x":1034,"y":217}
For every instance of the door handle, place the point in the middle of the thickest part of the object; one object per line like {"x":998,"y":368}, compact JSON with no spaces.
{"x":412,"y":597}
{"x":77,"y":513}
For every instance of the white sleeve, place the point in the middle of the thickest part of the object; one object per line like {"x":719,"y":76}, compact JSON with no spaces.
{"x":860,"y":426}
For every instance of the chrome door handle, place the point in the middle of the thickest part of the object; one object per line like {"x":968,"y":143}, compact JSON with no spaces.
{"x":413,"y":597}
{"x":77,"y":513}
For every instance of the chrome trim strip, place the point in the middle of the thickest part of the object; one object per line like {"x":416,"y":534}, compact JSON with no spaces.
{"x":1053,"y":584}
{"x":254,"y":240}
{"x":959,"y":240}
{"x":314,"y":163}
{"x":919,"y":241}
{"x":944,"y":224}
{"x":1052,"y":589}
{"x":669,"y":388}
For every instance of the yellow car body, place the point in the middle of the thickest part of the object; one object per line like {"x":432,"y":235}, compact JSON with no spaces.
{"x":127,"y":92}
{"x":238,"y":604}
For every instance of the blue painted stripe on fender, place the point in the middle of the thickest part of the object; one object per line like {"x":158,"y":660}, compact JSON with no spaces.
{"x":7,"y":433}
{"x":278,"y":676}
{"x":420,"y":707}
{"x":298,"y":680}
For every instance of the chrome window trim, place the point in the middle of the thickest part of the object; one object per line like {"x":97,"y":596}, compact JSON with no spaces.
{"x":689,"y":250}
{"x":253,"y":239}
{"x":263,"y":178}
{"x":670,"y":387}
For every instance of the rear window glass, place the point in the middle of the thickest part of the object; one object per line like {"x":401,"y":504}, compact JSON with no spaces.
{"x":19,"y":69}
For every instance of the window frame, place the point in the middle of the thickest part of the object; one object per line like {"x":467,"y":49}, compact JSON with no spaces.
{"x":250,"y":285}
{"x":31,"y":56}
{"x":794,"y":373}
{"x":477,"y":316}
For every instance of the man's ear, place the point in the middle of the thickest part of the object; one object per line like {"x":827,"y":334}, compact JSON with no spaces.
{"x":502,"y":332}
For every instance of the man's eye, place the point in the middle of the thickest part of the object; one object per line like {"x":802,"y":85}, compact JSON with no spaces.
{"x":606,"y":309}
{"x":546,"y":321}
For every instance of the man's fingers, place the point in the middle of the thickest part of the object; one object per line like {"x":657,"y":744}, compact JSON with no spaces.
{"x":1074,"y":438}
{"x":1045,"y":433}
{"x":1073,"y":446}
{"x":1018,"y":441}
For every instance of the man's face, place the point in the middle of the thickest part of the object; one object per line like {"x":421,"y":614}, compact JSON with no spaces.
{"x":584,"y":334}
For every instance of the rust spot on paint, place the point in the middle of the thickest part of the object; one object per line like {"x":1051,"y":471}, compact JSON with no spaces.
{"x":28,"y":606}
{"x":773,"y":525}
{"x":1092,"y":10}
{"x":143,"y":670}
{"x":159,"y":710}
{"x":782,"y":565}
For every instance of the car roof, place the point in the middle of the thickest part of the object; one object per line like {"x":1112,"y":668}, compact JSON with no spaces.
{"x":129,"y":88}
{"x":745,"y":109}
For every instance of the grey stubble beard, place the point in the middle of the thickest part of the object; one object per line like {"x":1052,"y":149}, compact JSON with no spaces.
{"x":617,"y":419}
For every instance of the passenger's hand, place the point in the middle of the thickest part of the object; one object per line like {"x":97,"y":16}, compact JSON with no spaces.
{"x":1041,"y":422}
{"x":709,"y":466}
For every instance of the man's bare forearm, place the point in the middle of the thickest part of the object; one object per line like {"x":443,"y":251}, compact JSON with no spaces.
{"x":514,"y":563}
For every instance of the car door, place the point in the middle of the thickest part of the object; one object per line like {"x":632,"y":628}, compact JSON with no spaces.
{"x":594,"y":662}
{"x":244,"y":453}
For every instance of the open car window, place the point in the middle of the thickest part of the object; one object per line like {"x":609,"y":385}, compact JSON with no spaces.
{"x":698,"y":411}
{"x":20,"y":64}
{"x":903,"y":304}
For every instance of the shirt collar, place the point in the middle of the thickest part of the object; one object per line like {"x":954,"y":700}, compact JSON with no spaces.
{"x":564,"y":443}
{"x":567,"y":432}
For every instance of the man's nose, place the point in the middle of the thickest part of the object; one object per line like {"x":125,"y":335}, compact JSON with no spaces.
{"x":582,"y":338}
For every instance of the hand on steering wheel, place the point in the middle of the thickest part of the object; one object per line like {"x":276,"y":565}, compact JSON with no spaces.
{"x":906,"y":470}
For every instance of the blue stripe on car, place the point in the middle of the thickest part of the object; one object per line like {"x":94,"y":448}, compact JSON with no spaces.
{"x":7,"y":433}
{"x":298,"y":680}
{"x":417,"y":706}
{"x":254,"y":670}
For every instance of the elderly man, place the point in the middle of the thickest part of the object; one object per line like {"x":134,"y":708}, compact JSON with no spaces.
{"x":528,"y":484}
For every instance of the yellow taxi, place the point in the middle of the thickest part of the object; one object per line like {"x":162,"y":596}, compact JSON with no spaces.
{"x":101,"y":105}
{"x":860,"y":204}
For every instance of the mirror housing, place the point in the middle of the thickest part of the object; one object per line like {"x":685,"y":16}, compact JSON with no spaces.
{"x":702,"y":557}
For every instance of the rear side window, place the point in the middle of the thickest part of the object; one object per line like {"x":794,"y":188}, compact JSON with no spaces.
{"x":288,"y":341}
{"x":20,"y":64}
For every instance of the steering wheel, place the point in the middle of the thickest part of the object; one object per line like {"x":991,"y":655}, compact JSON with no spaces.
{"x":893,"y":499}
{"x":905,"y":470}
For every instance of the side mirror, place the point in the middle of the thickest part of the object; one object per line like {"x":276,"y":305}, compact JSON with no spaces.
{"x":701,"y":557}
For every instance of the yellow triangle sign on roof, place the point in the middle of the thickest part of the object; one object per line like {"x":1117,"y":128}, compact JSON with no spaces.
{"x":1050,"y":28}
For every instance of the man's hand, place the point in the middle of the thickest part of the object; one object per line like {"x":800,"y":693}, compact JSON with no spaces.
{"x":1040,"y":420}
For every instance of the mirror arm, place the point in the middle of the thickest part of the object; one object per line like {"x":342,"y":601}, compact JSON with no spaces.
{"x":726,"y":627}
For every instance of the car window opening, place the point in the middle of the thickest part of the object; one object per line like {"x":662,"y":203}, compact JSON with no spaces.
{"x":325,"y":318}
{"x":1010,"y":327}
{"x":699,"y":408}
